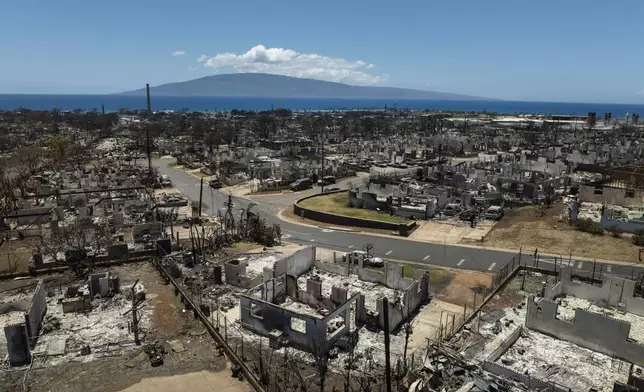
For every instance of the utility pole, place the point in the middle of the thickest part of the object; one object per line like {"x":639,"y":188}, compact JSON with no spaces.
{"x":322,"y":148}
{"x":147,"y":132}
{"x":200,"y":197}
{"x":135,"y":316}
{"x":385,"y":311}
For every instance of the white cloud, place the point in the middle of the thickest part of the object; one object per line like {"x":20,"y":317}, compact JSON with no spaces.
{"x":191,"y":68}
{"x":641,"y":92}
{"x":178,"y":53}
{"x":291,"y":63}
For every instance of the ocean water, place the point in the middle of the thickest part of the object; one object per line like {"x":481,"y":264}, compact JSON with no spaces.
{"x":116,"y":102}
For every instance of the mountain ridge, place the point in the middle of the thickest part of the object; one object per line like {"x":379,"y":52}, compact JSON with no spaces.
{"x":269,"y":85}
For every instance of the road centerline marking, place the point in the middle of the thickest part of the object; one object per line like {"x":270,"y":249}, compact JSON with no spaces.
{"x":350,"y":246}
{"x":491,"y":266}
{"x":460,"y":262}
{"x":388,"y":253}
{"x":426,"y":257}
{"x":609,"y":268}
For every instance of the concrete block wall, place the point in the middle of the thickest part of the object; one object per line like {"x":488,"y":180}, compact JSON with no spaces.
{"x":631,"y":303}
{"x":394,"y":278}
{"x":338,"y":295}
{"x":235,"y":272}
{"x":117,"y":252}
{"x":273,"y":288}
{"x":614,"y":291}
{"x":593,"y":331}
{"x":395,"y":313}
{"x":631,"y":226}
{"x":270,"y":317}
{"x":505,"y":345}
{"x":35,"y":313}
{"x":152,"y":228}
{"x":314,"y":288}
{"x":17,"y":344}
{"x":509,"y":374}
{"x":369,"y":275}
{"x":297,"y":263}
{"x":337,"y":269}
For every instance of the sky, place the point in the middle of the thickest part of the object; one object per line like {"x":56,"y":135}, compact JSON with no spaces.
{"x":546,"y":50}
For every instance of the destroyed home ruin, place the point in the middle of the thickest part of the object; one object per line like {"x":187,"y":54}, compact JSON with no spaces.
{"x":22,"y":328}
{"x":298,"y":304}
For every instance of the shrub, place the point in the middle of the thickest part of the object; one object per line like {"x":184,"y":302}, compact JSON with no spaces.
{"x":638,"y":238}
{"x":589,"y":226}
{"x":615,"y":231}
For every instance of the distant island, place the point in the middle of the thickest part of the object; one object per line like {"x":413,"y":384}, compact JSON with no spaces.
{"x":268,"y":85}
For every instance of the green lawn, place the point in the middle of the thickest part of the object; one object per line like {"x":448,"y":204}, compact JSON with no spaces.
{"x":338,"y":203}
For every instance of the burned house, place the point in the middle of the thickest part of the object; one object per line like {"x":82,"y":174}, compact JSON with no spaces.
{"x":317,"y":306}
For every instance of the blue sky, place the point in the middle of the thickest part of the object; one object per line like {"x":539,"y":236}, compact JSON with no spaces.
{"x":548,"y":50}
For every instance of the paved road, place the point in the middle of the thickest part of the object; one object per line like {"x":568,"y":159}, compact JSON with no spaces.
{"x":444,"y":255}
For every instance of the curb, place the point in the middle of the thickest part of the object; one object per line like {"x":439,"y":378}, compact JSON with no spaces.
{"x":336,"y":228}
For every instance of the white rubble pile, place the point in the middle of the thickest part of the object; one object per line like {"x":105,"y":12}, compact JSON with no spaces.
{"x":257,"y":263}
{"x":373,"y":344}
{"x":567,"y":306}
{"x":592,"y":211}
{"x":494,"y":333}
{"x":371,"y":291}
{"x":301,"y":308}
{"x":14,"y":316}
{"x":564,"y":363}
{"x":104,"y":326}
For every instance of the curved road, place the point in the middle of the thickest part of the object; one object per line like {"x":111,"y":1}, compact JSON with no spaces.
{"x":445,"y":255}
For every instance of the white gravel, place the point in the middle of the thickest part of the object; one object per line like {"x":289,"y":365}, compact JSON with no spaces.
{"x":565,"y":363}
{"x":371,"y":291}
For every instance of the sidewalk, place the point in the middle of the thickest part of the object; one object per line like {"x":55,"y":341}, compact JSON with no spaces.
{"x":542,"y":252}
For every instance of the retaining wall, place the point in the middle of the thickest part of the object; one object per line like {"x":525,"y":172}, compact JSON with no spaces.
{"x":341,"y":220}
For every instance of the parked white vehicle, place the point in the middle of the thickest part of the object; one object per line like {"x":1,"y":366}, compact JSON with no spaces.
{"x":371,"y":261}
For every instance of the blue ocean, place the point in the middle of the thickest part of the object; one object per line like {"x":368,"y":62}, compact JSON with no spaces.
{"x":116,"y":102}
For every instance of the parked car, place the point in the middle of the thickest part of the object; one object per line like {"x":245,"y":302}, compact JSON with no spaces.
{"x":494,"y":213}
{"x":371,"y":261}
{"x":165,"y":180}
{"x":215,"y":183}
{"x":301,"y":184}
{"x":326,"y":180}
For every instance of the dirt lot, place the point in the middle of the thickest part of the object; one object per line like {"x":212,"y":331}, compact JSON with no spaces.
{"x":523,"y":228}
{"x":337,"y":203}
{"x":199,"y":362}
{"x":455,"y":286}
